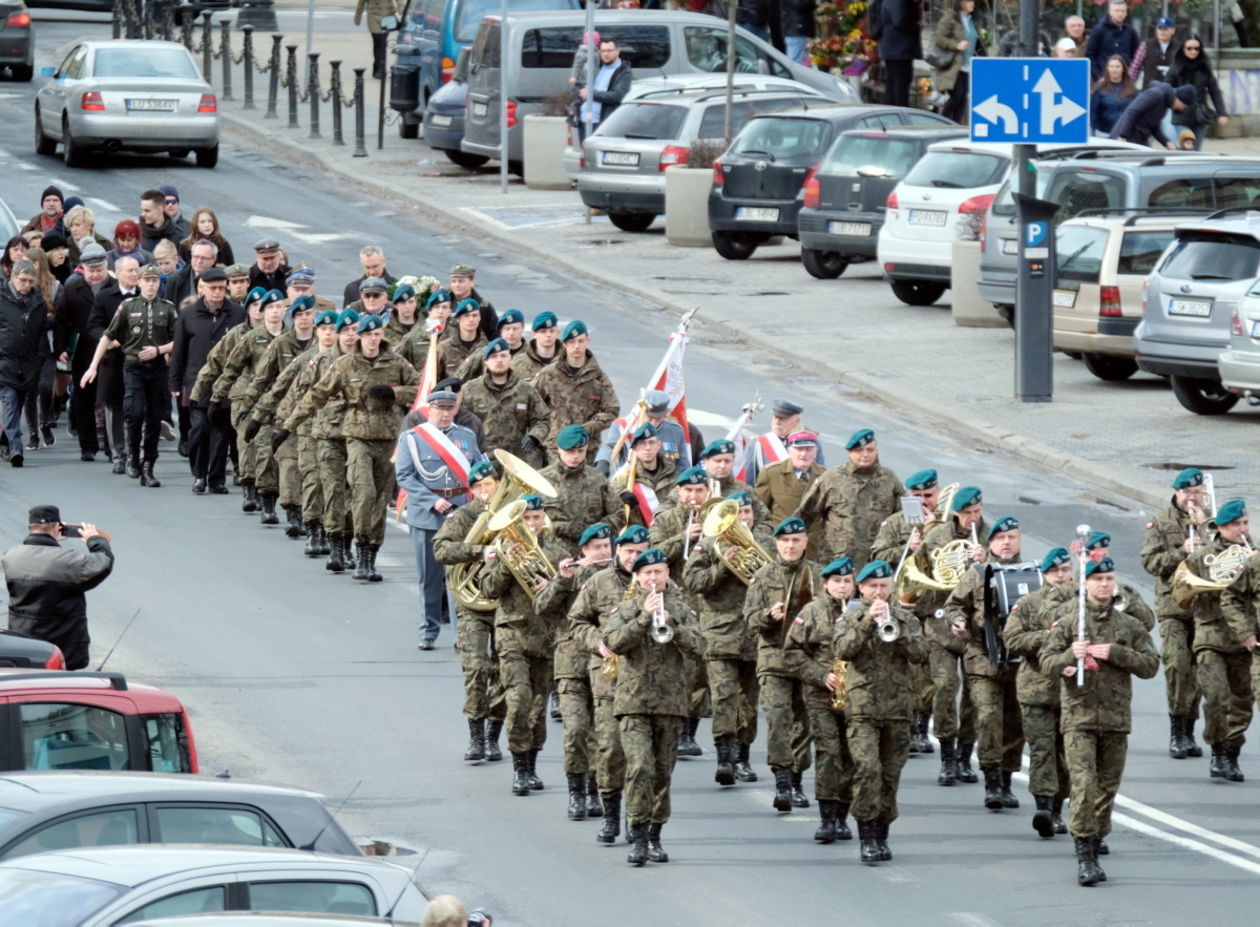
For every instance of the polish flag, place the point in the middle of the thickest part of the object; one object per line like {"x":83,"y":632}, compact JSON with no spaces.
{"x":669,"y":378}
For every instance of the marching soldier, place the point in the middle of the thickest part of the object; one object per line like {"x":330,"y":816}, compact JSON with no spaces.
{"x":330,"y":455}
{"x":463,"y":339}
{"x":850,"y":501}
{"x":1096,"y":715}
{"x":652,"y":632}
{"x":718,"y":461}
{"x":810,"y":651}
{"x":770,"y":448}
{"x":1027,"y":629}
{"x":674,"y":446}
{"x":879,"y":694}
{"x":512,"y":413}
{"x":1171,"y":536}
{"x":653,"y":474}
{"x":779,"y":591}
{"x":402,"y":318}
{"x":583,"y":496}
{"x":415,"y":346}
{"x":1098,"y":546}
{"x":576,"y":389}
{"x":992,"y":687}
{"x":1240,"y":607}
{"x":782,"y":485}
{"x":511,"y":332}
{"x":540,"y":350}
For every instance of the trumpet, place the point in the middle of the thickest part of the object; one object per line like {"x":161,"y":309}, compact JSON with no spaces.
{"x":888,"y":627}
{"x":662,"y":633}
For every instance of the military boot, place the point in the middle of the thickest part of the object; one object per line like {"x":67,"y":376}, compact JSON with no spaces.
{"x":782,"y":788}
{"x":869,"y":852}
{"x":476,"y":740}
{"x":1233,"y":772}
{"x":1177,"y":738}
{"x":881,"y":840}
{"x":656,"y":852}
{"x":912,"y":744}
{"x":949,"y":765}
{"x":1008,"y":797}
{"x":1218,"y":767}
{"x":324,"y":546}
{"x":921,"y":726}
{"x":612,"y":819}
{"x":555,"y":705}
{"x":249,"y":498}
{"x":687,"y":745}
{"x":840,"y":811}
{"x":312,"y":539}
{"x":292,"y":521}
{"x":133,"y":466}
{"x":147,"y":478}
{"x":798,"y":796}
{"x":1056,"y":811}
{"x":826,"y":832}
{"x":1101,"y":849}
{"x":638,"y":844}
{"x":534,"y":782}
{"x":594,"y":809}
{"x":992,"y":788}
{"x":1043,"y":820}
{"x":743,"y":769}
{"x":268,"y":506}
{"x":520,"y":774}
{"x":360,"y":563}
{"x":494,"y":727}
{"x":965,"y":772}
{"x":336,"y":550}
{"x":372,"y":575}
{"x":1192,"y":746}
{"x":1088,"y":872}
{"x":725,"y":774}
{"x":577,"y":800}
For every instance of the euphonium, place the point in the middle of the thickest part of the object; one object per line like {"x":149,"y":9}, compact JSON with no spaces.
{"x":723,"y":525}
{"x":840,"y":670}
{"x":517,"y":546}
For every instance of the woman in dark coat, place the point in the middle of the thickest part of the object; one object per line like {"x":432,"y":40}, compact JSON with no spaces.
{"x":1110,"y":96}
{"x":1191,"y":67}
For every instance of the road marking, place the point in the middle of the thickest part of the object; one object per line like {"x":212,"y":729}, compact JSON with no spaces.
{"x":294,"y":230}
{"x":103,"y":205}
{"x":1187,"y":843}
{"x":973,"y":919}
{"x":64,"y":184}
{"x":1170,"y":820}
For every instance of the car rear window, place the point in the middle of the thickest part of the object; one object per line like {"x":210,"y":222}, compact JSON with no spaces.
{"x":1140,"y":250}
{"x":1080,"y":252}
{"x":644,"y":47}
{"x":958,"y":170}
{"x":644,"y":120}
{"x":782,"y":136}
{"x":870,"y":155}
{"x":110,"y":827}
{"x":152,"y":62}
{"x":713,"y":123}
{"x":1213,"y":257}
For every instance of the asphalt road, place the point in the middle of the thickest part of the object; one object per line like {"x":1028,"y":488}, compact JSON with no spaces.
{"x":296,"y":676}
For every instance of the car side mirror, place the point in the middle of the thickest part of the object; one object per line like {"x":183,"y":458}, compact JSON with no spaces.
{"x":763,"y":66}
{"x":49,"y":72}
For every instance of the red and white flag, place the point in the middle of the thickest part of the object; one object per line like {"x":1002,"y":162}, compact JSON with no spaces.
{"x":428,"y":376}
{"x":669,"y":377}
{"x":648,"y":502}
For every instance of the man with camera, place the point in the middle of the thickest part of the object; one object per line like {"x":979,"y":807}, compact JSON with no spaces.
{"x":47,"y":581}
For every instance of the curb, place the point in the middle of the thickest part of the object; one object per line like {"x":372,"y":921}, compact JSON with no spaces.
{"x":1107,"y":479}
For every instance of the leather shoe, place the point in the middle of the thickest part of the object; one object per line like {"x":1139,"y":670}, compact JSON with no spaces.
{"x":17,"y":460}
{"x":219,"y":490}
{"x":199,"y":486}
{"x":183,"y":448}
{"x":119,"y":467}
{"x":87,"y":456}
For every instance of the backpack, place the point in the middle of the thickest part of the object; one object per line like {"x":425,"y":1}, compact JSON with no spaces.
{"x":874,"y":19}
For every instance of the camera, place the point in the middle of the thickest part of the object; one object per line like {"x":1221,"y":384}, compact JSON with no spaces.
{"x":71,"y":531}
{"x":480,"y":918}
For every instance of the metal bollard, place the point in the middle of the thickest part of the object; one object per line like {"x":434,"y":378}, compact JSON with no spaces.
{"x":360,"y":150}
{"x":334,"y":92}
{"x":115,"y":24}
{"x":312,"y":90}
{"x":146,"y":18}
{"x":247,"y":57}
{"x":207,"y":48}
{"x":291,"y":75}
{"x":225,"y":51}
{"x":273,"y":88}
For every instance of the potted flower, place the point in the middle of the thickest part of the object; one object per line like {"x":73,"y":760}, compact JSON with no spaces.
{"x":687,"y":189}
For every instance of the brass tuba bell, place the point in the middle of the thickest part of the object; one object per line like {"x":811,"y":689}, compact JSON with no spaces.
{"x":723,"y":525}
{"x":517,"y":546}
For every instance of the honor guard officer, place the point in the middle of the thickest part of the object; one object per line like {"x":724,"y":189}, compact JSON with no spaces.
{"x":144,"y":326}
{"x":540,"y":350}
{"x":575,"y":387}
{"x":770,"y":448}
{"x":674,"y":445}
{"x":850,"y":501}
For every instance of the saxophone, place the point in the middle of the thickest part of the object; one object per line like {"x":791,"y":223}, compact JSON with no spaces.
{"x":840,"y":670}
{"x":613,"y":663}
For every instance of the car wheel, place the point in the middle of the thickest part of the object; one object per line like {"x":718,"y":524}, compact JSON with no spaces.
{"x":208,"y":157}
{"x":464,"y":159}
{"x":736,"y":246}
{"x":825,"y":265}
{"x":1007,"y":313}
{"x":43,"y":144}
{"x":918,"y":292}
{"x":1108,"y":367}
{"x":1204,"y":397}
{"x":72,"y":153}
{"x":632,"y":221}
{"x":23,"y":72}
{"x":408,"y":129}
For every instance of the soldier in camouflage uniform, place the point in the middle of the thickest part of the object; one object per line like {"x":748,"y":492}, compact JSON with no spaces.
{"x":851,"y":500}
{"x":540,"y":350}
{"x":1027,"y":628}
{"x":879,"y":696}
{"x":1098,"y":545}
{"x":416,"y":345}
{"x":1240,"y":607}
{"x":652,"y":469}
{"x":403,"y":316}
{"x":511,"y":331}
{"x":650,"y":699}
{"x":514,"y":416}
{"x":992,"y":687}
{"x":779,"y":591}
{"x":583,"y":496}
{"x":718,"y":461}
{"x":1171,"y":536}
{"x":810,"y":652}
{"x":462,"y":339}
{"x":576,"y":389}
{"x":589,"y":615}
{"x":1096,"y":715}
{"x":330,"y":457}
{"x":730,"y":649}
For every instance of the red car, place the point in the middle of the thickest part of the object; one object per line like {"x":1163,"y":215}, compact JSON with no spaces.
{"x":55,"y":720}
{"x":19,"y":650}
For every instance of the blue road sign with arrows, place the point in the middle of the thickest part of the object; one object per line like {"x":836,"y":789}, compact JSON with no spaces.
{"x":1030,"y":100}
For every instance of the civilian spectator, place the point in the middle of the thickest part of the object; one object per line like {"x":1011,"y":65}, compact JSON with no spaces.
{"x":1155,"y":55}
{"x":1112,"y":36}
{"x":166,"y":257}
{"x":796,"y":20}
{"x":109,"y":381}
{"x":1111,"y":95}
{"x":154,"y":223}
{"x":1074,"y":29}
{"x":1143,"y":119}
{"x":14,"y":251}
{"x":40,"y":413}
{"x":1191,"y":68}
{"x":612,"y":83}
{"x":899,"y":46}
{"x":127,"y":244}
{"x":170,"y":207}
{"x":75,"y":346}
{"x":372,"y":260}
{"x":183,"y":283}
{"x":80,"y":223}
{"x":1065,"y":48}
{"x":205,"y":226}
{"x":24,"y":326}
{"x":51,"y":208}
{"x":957,"y":32}
{"x":54,"y":245}
{"x":754,"y":15}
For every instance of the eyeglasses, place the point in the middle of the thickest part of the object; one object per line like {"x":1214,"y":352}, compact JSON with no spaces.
{"x":372,"y":295}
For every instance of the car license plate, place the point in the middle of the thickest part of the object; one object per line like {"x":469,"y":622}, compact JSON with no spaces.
{"x":1010,"y":246}
{"x":757,"y":214}
{"x":1255,"y":329}
{"x":442,"y":121}
{"x":619,"y":158}
{"x":1065,"y":299}
{"x":860,"y":229}
{"x":933,"y":217}
{"x":1201,"y":308}
{"x":480,"y":109}
{"x":151,"y":106}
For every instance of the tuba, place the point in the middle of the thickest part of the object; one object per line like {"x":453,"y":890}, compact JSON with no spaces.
{"x":517,"y":546}
{"x":519,"y":479}
{"x":723,"y":525}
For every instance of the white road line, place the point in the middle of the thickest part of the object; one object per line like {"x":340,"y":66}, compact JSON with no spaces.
{"x":1187,"y":843}
{"x":973,"y":919}
{"x":1170,"y":820}
{"x":103,"y":205}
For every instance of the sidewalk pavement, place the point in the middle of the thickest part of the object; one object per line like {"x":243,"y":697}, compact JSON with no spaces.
{"x":1125,"y":438}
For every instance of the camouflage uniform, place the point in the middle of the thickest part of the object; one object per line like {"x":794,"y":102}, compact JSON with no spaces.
{"x":330,"y":457}
{"x":668,"y":535}
{"x":1240,"y":607}
{"x":762,"y":521}
{"x":415,"y":347}
{"x":279,"y":401}
{"x":850,"y":503}
{"x":582,"y":396}
{"x":573,"y":682}
{"x":508,"y":413}
{"x":583,"y":497}
{"x":1027,"y":629}
{"x":396,"y":330}
{"x":232,"y":385}
{"x":889,"y":545}
{"x":879,"y":695}
{"x":526,"y":364}
{"x":278,"y":471}
{"x":648,"y":702}
{"x":1096,"y":716}
{"x":1162,"y":553}
{"x":453,"y":350}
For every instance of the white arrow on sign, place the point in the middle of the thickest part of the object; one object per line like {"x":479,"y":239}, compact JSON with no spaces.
{"x":992,"y":111}
{"x":293,"y":230}
{"x":1052,"y":112}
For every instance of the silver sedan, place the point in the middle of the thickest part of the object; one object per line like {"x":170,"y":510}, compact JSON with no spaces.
{"x":127,"y":95}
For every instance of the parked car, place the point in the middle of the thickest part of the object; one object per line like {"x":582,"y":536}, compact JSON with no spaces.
{"x":1109,"y":178}
{"x":17,"y":40}
{"x":61,"y":810}
{"x":270,"y":919}
{"x":540,"y":49}
{"x":1104,"y":257}
{"x":444,"y":117}
{"x":9,"y":224}
{"x":58,"y":720}
{"x":127,"y":95}
{"x":1189,"y":305}
{"x":123,"y":884}
{"x":1239,"y":364}
{"x":844,"y":200}
{"x":22,"y":651}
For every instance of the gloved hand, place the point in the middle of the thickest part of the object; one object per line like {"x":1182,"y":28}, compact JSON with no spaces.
{"x":529,"y":444}
{"x":629,"y":498}
{"x":252,"y":429}
{"x":602,"y":467}
{"x":278,"y":438}
{"x":384,"y":392}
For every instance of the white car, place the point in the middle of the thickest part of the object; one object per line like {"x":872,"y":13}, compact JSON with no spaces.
{"x":99,"y":886}
{"x":952,"y":184}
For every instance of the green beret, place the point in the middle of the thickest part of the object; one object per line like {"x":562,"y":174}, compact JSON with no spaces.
{"x":301,"y":304}
{"x":494,"y":347}
{"x":533,"y":503}
{"x":644,"y":431}
{"x":573,"y":329}
{"x":1098,"y":539}
{"x":255,"y":295}
{"x":967,"y":495}
{"x":741,"y":496}
{"x":511,"y":317}
{"x":635,"y":534}
{"x":1105,"y":565}
{"x":272,"y":296}
{"x":544,"y":320}
{"x":860,"y":438}
{"x":327,"y":317}
{"x":595,"y":532}
{"x":405,"y":291}
{"x":924,"y":479}
{"x":876,"y":569}
{"x":1056,"y":557}
{"x":1232,"y":510}
{"x":650,"y":557}
{"x":437,"y":296}
{"x":467,"y":304}
{"x":480,"y":470}
{"x":792,"y":525}
{"x":841,"y":566}
{"x":692,"y":476}
{"x":370,"y":323}
{"x":572,"y":437}
{"x":720,"y":446}
{"x":1188,"y":478}
{"x":1003,"y":524}
{"x":347,"y":317}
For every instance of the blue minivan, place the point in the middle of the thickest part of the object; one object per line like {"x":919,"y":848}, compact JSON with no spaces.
{"x":434,"y":32}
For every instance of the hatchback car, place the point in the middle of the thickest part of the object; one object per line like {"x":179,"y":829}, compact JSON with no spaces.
{"x":1189,"y":305}
{"x":22,"y":651}
{"x":124,"y":884}
{"x":844,"y":201}
{"x":127,"y":95}
{"x":57,"y":720}
{"x":444,"y":117}
{"x":625,"y":159}
{"x":1239,"y":364}
{"x":41,"y":811}
{"x":17,"y":40}
{"x":758,"y":182}
{"x":270,"y":919}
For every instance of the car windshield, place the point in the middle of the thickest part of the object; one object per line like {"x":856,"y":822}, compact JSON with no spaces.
{"x":782,"y":137}
{"x":51,"y":899}
{"x":1213,"y":257}
{"x":873,"y":155}
{"x":8,"y":816}
{"x":151,"y":62}
{"x":644,"y":120}
{"x":1080,"y":252}
{"x":471,"y":12}
{"x":962,"y":170}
